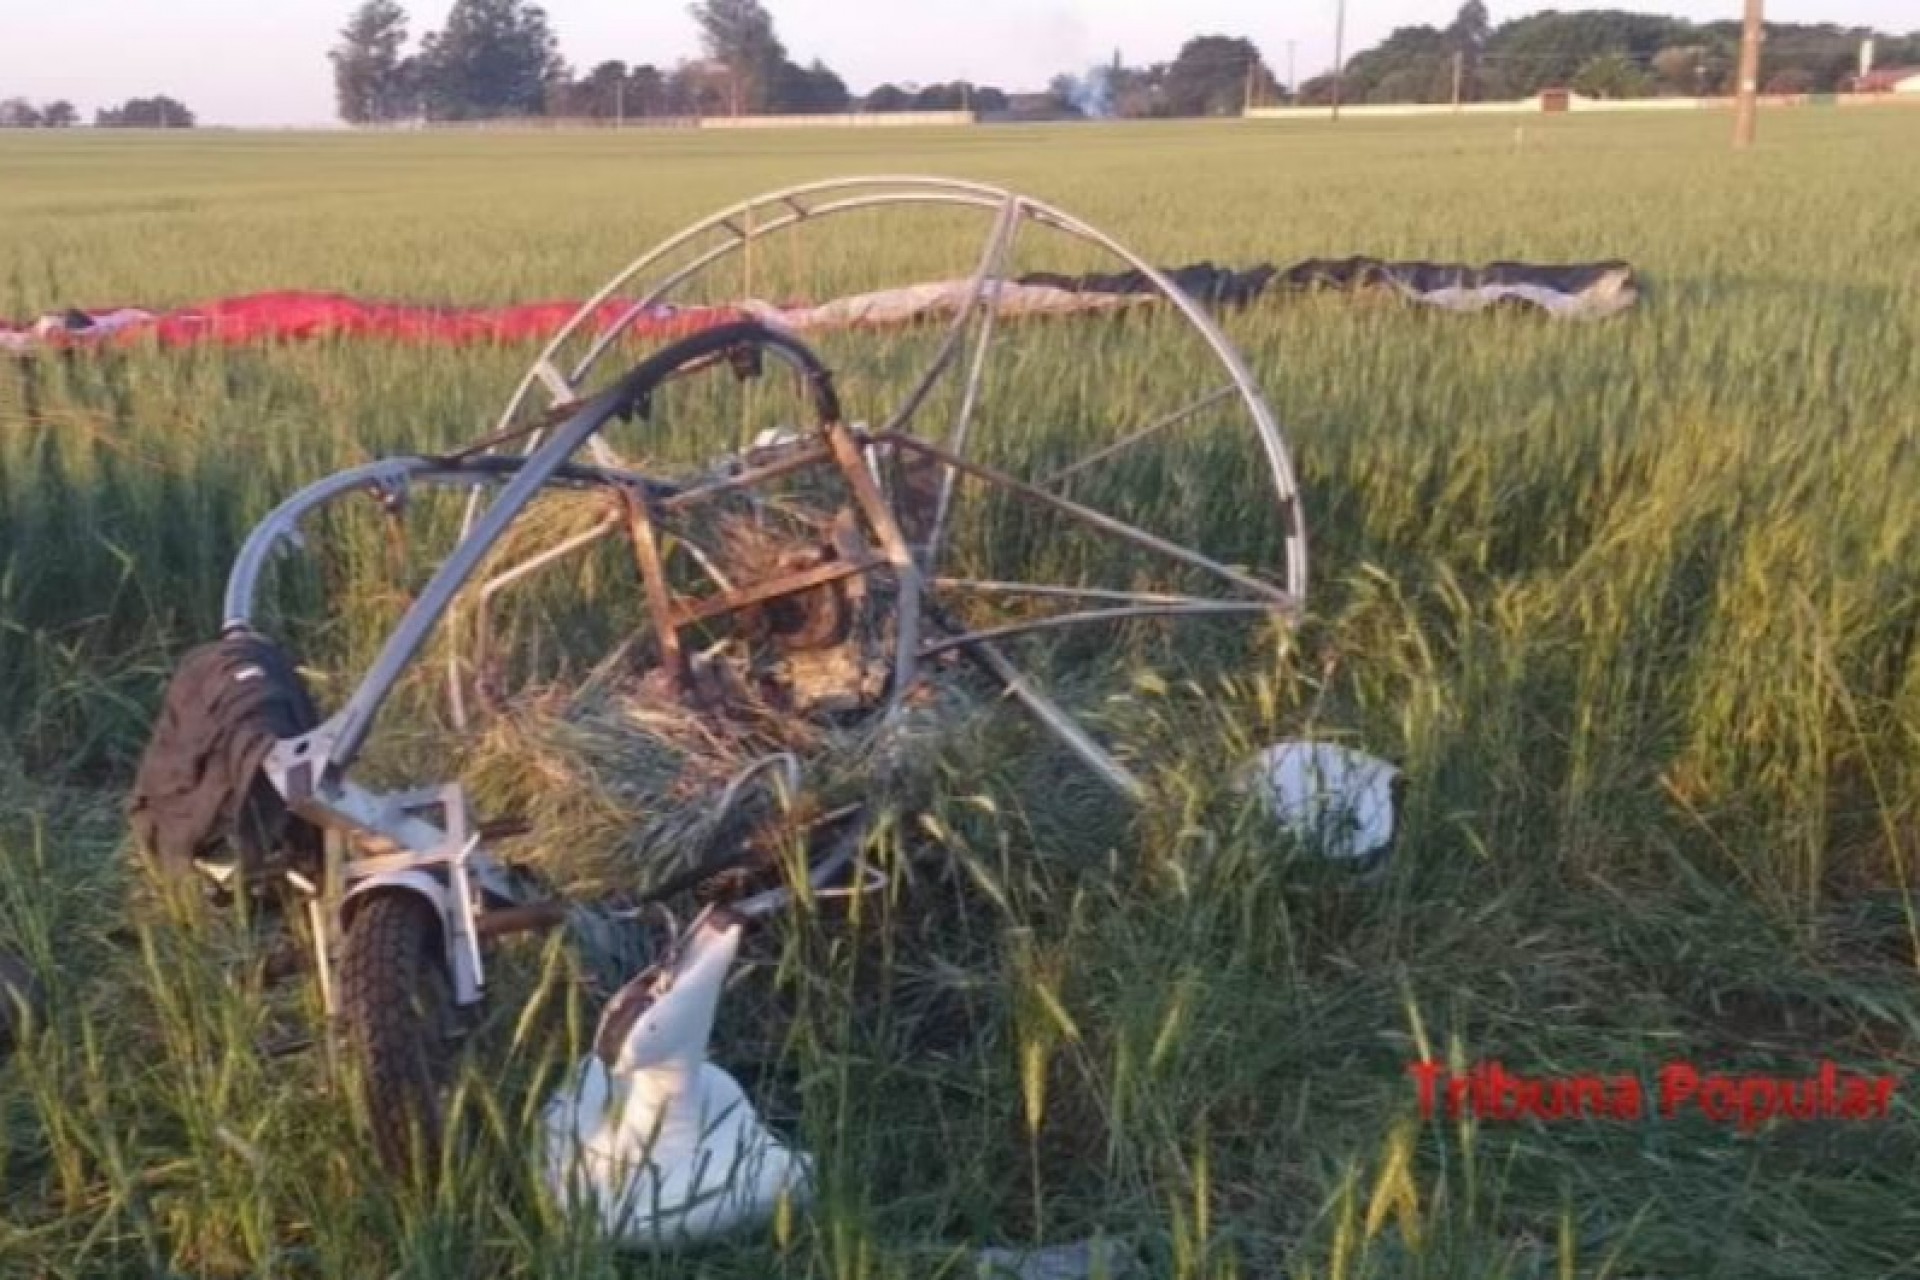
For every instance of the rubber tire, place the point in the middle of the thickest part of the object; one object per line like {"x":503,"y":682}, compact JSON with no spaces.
{"x":396,"y":1006}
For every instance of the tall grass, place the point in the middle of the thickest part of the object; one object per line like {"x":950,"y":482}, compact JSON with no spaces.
{"x":1633,"y":605}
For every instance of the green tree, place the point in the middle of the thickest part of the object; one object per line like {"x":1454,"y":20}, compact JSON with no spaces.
{"x":701,"y":89}
{"x":1138,"y":93}
{"x":493,"y":58}
{"x":1210,"y":77}
{"x":1548,"y":49}
{"x":647,"y":92}
{"x":369,"y":80}
{"x":738,"y":34}
{"x":159,"y":112}
{"x":59,"y":114}
{"x":1468,"y":37}
{"x":1613,"y":75}
{"x":1413,"y":64}
{"x":809,"y":90}
{"x":605,"y":91}
{"x":1687,"y":69}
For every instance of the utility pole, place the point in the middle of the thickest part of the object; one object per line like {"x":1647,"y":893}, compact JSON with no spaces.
{"x":1746,"y":106}
{"x":1459,"y":69}
{"x":1339,"y":52}
{"x":1246,"y":98}
{"x":620,"y":103}
{"x":1293,"y":85}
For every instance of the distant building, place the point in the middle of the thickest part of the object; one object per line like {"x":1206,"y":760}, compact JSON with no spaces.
{"x":1900,"y":80}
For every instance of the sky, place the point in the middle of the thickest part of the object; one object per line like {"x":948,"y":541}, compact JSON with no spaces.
{"x":263,"y":62}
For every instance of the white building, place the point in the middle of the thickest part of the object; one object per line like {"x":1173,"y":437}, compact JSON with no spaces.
{"x":1904,"y":81}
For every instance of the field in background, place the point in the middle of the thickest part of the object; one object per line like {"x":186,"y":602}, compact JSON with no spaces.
{"x":1634,"y":605}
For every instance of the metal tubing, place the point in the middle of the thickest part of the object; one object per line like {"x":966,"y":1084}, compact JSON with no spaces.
{"x":986,"y":290}
{"x":579,"y":541}
{"x":499,"y":582}
{"x":806,"y":456}
{"x":1074,"y":593}
{"x":906,"y":574}
{"x":1286,"y":486}
{"x":343,"y":735}
{"x":1056,"y":721}
{"x":883,"y":190}
{"x":351,"y":725}
{"x":760,"y":592}
{"x":653,"y":580}
{"x":985,"y":198}
{"x":1099,"y":520}
{"x":1173,"y":419}
{"x":283,"y":522}
{"x":957,"y":330}
{"x":1058,"y":620}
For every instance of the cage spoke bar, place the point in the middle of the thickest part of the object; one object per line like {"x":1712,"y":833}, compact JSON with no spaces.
{"x":1099,"y":520}
{"x":1173,"y":419}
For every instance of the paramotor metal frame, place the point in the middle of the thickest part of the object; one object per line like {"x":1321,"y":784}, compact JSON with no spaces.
{"x":548,"y":388}
{"x":424,"y":846}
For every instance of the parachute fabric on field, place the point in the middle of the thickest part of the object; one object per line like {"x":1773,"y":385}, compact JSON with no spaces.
{"x":1583,"y":291}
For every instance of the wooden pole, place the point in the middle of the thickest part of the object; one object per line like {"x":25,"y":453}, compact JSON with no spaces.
{"x":1746,"y":98}
{"x":1459,"y":69}
{"x":1339,"y":52}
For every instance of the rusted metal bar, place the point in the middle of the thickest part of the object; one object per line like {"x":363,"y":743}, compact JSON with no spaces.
{"x":907,"y":582}
{"x":653,"y":575}
{"x":502,"y":829}
{"x":523,"y":919}
{"x":772,"y":589}
{"x":811,"y":454}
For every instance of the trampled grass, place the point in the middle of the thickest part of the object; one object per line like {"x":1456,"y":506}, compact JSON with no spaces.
{"x":1632,"y":604}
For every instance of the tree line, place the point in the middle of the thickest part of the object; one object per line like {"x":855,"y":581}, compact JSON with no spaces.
{"x":500,"y":58}
{"x":159,"y":112}
{"x":1603,"y":53}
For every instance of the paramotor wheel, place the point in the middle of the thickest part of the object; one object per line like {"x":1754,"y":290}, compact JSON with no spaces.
{"x":397,"y":1011}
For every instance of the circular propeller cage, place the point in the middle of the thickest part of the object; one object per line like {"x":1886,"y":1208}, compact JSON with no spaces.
{"x":1045,"y":439}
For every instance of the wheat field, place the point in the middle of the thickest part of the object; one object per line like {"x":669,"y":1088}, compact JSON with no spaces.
{"x":1632,"y":604}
